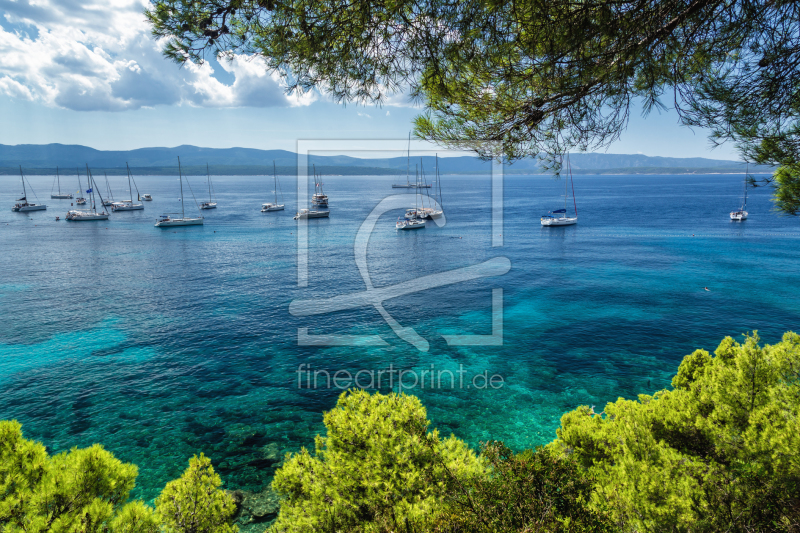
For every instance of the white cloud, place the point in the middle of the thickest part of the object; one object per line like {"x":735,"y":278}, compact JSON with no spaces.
{"x":360,"y":114}
{"x":98,"y":55}
{"x":387,"y":114}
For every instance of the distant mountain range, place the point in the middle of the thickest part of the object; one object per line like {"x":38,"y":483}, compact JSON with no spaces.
{"x":43,"y":158}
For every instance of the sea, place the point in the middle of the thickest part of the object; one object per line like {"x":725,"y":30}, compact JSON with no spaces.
{"x":164,"y":343}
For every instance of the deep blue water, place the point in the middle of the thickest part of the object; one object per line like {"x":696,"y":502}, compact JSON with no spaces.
{"x":164,"y":343}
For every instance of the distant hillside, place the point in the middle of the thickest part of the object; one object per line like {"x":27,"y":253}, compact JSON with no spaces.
{"x":37,"y":159}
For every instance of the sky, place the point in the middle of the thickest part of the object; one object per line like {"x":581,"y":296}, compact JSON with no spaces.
{"x":88,"y":72}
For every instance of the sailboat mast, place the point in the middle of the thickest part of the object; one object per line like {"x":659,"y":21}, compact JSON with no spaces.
{"x":78,"y":170}
{"x":208,"y":174}
{"x":439,"y":183}
{"x":91,"y":189}
{"x":275,"y":175}
{"x":22,"y":177}
{"x":408,"y":159}
{"x":572,"y":180}
{"x":108,"y":186}
{"x":416,"y":188}
{"x":130,"y":189}
{"x":180,"y":178}
{"x":59,"y":182}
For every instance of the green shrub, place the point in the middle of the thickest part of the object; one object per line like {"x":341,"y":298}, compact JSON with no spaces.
{"x":718,"y":452}
{"x":377,"y":469}
{"x":526,"y":492}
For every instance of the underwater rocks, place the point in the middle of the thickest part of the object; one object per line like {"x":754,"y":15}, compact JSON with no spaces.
{"x":255,"y":511}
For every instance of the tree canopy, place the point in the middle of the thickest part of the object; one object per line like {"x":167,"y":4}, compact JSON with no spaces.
{"x":86,"y":490}
{"x":378,"y":469}
{"x":718,"y":452}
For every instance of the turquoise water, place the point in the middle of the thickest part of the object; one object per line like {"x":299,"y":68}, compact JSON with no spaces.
{"x":163,"y":343}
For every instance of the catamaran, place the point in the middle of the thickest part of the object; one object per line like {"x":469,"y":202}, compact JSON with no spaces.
{"x":167,"y":221}
{"x":22,"y":203}
{"x":209,"y":204}
{"x":276,"y":206}
{"x":741,"y":213}
{"x":408,"y":184}
{"x":78,"y":216}
{"x":60,"y":195}
{"x":562,"y":219}
{"x":128,"y":205}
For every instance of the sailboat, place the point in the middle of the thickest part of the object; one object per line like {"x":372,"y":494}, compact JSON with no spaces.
{"x":408,"y":184}
{"x":320,"y":199}
{"x":78,"y":216}
{"x":209,"y":204}
{"x":741,"y":213}
{"x":167,"y":221}
{"x":128,"y":205}
{"x":276,"y":206}
{"x":562,"y":219}
{"x":316,"y":200}
{"x":22,"y":203}
{"x":431,"y":213}
{"x":109,"y":200}
{"x":60,"y":195}
{"x":80,"y":200}
{"x":413,"y":218}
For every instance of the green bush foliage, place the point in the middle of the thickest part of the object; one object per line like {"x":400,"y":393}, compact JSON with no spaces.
{"x":718,"y":452}
{"x":377,"y":469}
{"x":86,"y":491}
{"x":529,"y":491}
{"x":194,"y":502}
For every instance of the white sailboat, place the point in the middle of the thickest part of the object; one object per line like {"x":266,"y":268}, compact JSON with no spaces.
{"x":741,"y":213}
{"x":276,"y":206}
{"x":60,"y":195}
{"x":408,"y":184}
{"x":315,"y":201}
{"x":128,"y":205}
{"x":147,"y":197}
{"x":320,"y":199}
{"x":22,"y":204}
{"x":78,"y":216}
{"x":431,"y":213}
{"x":413,"y":219}
{"x":209,"y":204}
{"x":79,"y":199}
{"x":559,"y":216}
{"x":167,"y":221}
{"x":109,"y":200}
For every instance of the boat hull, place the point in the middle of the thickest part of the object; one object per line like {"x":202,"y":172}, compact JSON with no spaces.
{"x":61,"y":196}
{"x":738,"y":216}
{"x":208,"y":206}
{"x":147,"y":198}
{"x":567,"y":221}
{"x":77,"y":216}
{"x":27,"y":208}
{"x":134,"y":207}
{"x":267,"y":209}
{"x":312,"y":214}
{"x":411,"y":186}
{"x":179,"y":222}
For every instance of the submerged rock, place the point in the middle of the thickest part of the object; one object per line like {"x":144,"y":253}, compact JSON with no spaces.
{"x":255,"y":511}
